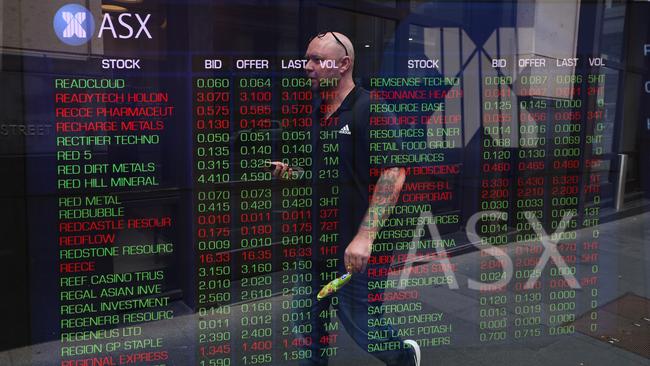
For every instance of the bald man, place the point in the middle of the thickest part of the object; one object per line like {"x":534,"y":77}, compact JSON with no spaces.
{"x":343,"y":119}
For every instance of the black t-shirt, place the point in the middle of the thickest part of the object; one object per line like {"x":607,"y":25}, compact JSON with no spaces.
{"x":359,"y":165}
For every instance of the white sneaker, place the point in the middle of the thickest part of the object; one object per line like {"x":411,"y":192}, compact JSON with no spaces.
{"x":416,"y":350}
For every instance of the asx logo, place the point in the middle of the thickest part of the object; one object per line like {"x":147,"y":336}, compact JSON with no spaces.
{"x":74,"y":25}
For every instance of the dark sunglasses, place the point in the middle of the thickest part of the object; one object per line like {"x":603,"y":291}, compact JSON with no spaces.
{"x":324,"y":33}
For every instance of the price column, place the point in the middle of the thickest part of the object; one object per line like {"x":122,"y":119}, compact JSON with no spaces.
{"x":492,"y":227}
{"x":566,"y":154}
{"x":296,"y":218}
{"x":529,"y":204}
{"x":212,"y":123}
{"x":254,"y":236}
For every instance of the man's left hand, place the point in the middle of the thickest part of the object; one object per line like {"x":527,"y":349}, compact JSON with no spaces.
{"x":357,"y":253}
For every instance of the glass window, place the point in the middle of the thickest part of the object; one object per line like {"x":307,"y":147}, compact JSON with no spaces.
{"x":186,"y":184}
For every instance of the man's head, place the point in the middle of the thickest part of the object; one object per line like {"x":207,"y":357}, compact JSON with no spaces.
{"x":330,"y":46}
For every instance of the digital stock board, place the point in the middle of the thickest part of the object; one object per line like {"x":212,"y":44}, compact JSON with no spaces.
{"x":196,"y":172}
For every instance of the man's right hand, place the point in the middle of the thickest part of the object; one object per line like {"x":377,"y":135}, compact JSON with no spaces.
{"x":281,"y":170}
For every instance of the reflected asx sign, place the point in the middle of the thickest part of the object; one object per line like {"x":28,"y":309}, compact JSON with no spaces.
{"x":75,"y":26}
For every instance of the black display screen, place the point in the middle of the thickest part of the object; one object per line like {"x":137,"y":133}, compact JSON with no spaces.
{"x":223,"y":183}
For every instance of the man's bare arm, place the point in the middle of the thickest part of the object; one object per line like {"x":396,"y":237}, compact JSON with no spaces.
{"x":384,"y":198}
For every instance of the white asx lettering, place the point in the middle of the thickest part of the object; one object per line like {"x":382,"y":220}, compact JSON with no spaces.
{"x":123,"y":21}
{"x":550,"y":253}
